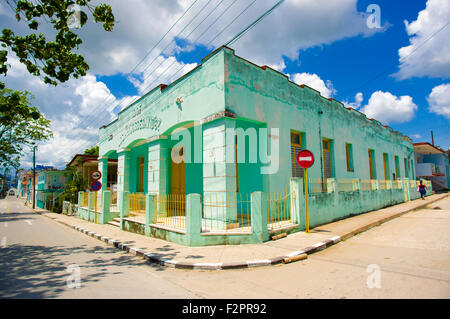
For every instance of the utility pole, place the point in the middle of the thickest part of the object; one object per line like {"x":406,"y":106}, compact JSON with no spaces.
{"x":34,"y":177}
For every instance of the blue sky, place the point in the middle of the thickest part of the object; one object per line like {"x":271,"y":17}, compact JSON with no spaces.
{"x":356,"y":64}
{"x":326,"y":44}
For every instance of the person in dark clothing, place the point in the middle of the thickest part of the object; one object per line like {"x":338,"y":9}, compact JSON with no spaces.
{"x":422,"y":190}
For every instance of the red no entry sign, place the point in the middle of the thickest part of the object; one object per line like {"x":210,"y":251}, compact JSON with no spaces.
{"x":96,"y":186}
{"x":96,"y":175}
{"x":305,"y":159}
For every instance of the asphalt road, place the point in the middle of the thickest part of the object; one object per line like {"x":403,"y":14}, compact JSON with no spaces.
{"x":36,"y":255}
{"x":408,"y":257}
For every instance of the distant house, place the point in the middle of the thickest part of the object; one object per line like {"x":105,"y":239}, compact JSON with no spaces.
{"x":432,"y":163}
{"x":86,"y":164}
{"x":50,"y":185}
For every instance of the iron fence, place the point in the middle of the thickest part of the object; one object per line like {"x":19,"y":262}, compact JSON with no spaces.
{"x":171,"y":210}
{"x":280,"y":209}
{"x":226,"y":212}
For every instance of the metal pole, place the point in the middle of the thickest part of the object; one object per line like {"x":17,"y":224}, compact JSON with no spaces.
{"x":306,"y":200}
{"x":95,"y":206}
{"x":34,"y":177}
{"x":432,"y":138}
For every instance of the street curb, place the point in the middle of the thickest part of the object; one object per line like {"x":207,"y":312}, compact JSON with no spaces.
{"x":166,"y":262}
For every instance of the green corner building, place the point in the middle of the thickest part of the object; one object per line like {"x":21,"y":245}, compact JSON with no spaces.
{"x":182,"y":176}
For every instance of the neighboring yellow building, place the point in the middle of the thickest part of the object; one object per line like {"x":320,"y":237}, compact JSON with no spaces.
{"x":86,"y":164}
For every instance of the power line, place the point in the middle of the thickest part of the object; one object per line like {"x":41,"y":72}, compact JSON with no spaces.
{"x":197,"y":53}
{"x":242,"y":32}
{"x":110,"y":104}
{"x":104,"y":105}
{"x":151,"y":83}
{"x":97,"y":120}
{"x":404,"y":58}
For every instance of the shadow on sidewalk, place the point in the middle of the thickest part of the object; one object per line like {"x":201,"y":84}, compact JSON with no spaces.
{"x":41,"y":272}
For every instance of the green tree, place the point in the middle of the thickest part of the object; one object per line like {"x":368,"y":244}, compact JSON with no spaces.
{"x":75,"y":184}
{"x":92,"y":151}
{"x":21,"y":125}
{"x":55,"y":60}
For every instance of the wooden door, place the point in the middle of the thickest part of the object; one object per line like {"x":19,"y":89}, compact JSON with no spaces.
{"x":370,"y":164}
{"x":296,"y":147}
{"x":141,"y":174}
{"x":327,"y":158}
{"x":177,"y":174}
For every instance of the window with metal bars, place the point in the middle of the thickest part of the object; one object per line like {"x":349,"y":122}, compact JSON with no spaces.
{"x":296,"y":147}
{"x":349,"y":156}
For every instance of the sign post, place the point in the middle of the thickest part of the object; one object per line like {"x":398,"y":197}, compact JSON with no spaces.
{"x":305,"y":159}
{"x":96,"y":185}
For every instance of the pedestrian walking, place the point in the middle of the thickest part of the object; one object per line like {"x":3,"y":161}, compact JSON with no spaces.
{"x":422,"y":189}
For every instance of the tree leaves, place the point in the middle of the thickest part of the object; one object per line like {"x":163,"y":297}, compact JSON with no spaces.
{"x":21,"y":124}
{"x":56,"y":58}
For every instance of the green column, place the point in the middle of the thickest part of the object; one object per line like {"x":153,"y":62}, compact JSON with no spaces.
{"x":80,"y":201}
{"x":408,"y":195}
{"x":219,"y":172}
{"x":150,"y":212}
{"x":90,"y":204}
{"x":106,"y":200}
{"x":123,"y":169}
{"x":259,"y":215}
{"x":298,"y":200}
{"x":158,"y":166}
{"x":123,"y":196}
{"x":193,"y":219}
{"x":103,"y":168}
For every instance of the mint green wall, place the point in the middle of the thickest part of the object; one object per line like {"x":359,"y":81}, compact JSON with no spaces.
{"x":135,"y":154}
{"x":267,"y":96}
{"x":193,"y":171}
{"x":250,"y":177}
{"x":202,"y":92}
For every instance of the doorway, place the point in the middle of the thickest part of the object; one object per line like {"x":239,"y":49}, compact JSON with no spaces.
{"x":177,"y":171}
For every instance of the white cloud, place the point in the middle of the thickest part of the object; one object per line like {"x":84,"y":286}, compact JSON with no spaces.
{"x":433,"y":58}
{"x":359,"y":98}
{"x":315,"y":82}
{"x":388,"y":108}
{"x":439,"y":100}
{"x":300,"y":24}
{"x":93,"y":94}
{"x":164,"y":70}
{"x":294,"y":26}
{"x":72,"y":107}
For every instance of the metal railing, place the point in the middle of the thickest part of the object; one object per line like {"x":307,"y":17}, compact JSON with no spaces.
{"x":317,"y":185}
{"x":383,"y":184}
{"x":345,"y":185}
{"x":397,"y":184}
{"x":113,"y":198}
{"x":85,"y":199}
{"x":226,"y":212}
{"x":171,"y":210}
{"x":280,"y":209}
{"x":367,"y":185}
{"x":136,"y":204}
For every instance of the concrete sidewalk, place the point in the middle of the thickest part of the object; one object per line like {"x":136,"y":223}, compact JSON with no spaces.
{"x":239,"y":256}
